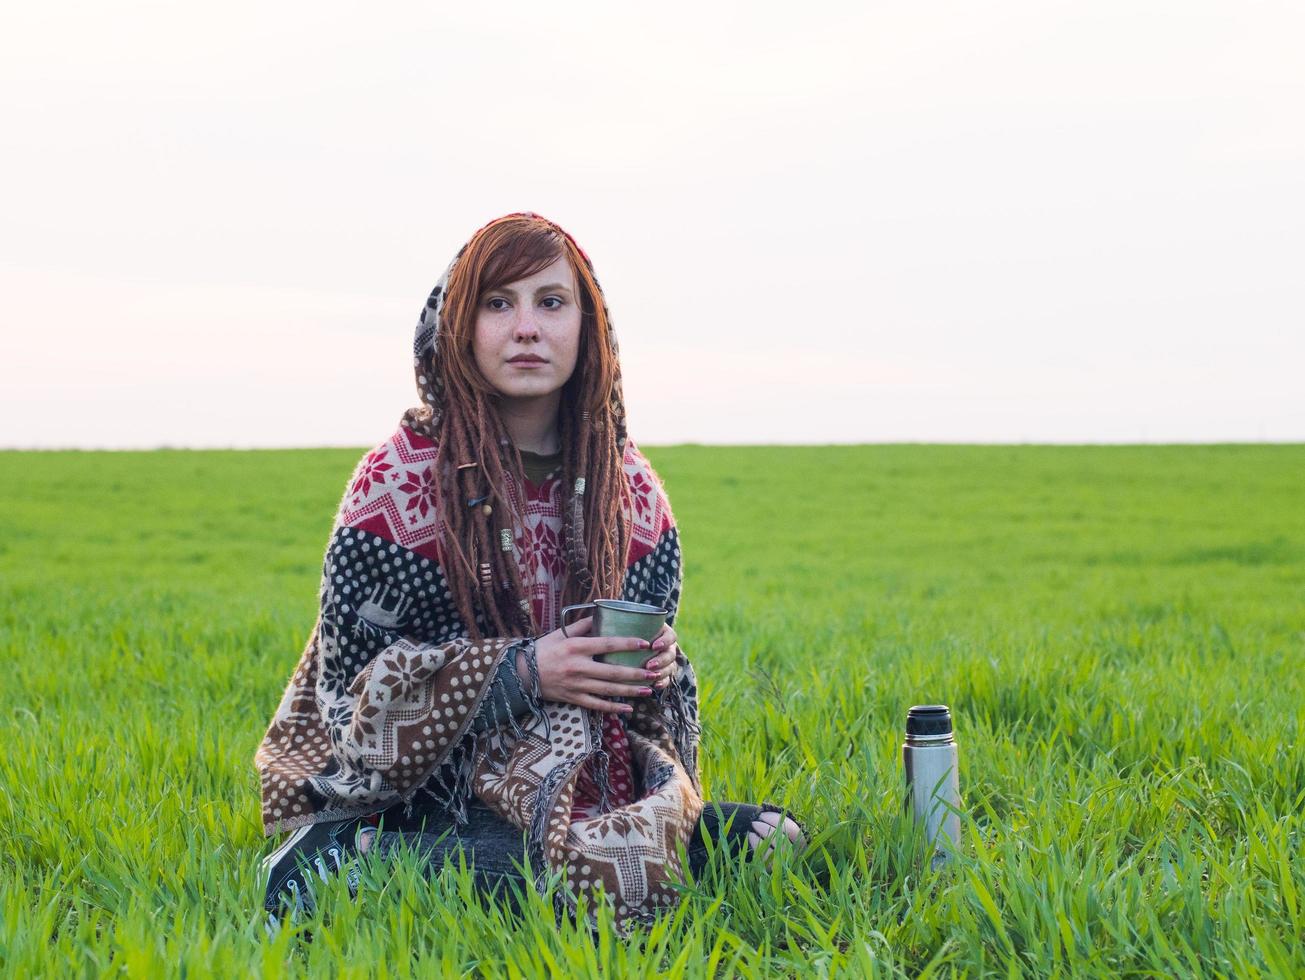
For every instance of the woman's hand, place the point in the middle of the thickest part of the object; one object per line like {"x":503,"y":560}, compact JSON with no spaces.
{"x":568,"y":671}
{"x":664,"y":663}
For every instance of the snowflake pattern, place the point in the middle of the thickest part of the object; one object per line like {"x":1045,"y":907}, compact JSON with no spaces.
{"x":648,"y":508}
{"x":374,"y":469}
{"x":420,"y":488}
{"x":389,"y":511}
{"x":642,"y":492}
{"x":544,"y":553}
{"x":402,"y":677}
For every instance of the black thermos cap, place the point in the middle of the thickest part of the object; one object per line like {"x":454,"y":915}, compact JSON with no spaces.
{"x":929,"y":719}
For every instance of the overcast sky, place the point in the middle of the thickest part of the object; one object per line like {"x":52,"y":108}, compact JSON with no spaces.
{"x":1027,"y":221}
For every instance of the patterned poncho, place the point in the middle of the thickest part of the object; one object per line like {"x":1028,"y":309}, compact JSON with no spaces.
{"x":379,"y":708}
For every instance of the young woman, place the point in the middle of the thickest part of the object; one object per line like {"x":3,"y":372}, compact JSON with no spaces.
{"x":437,"y":703}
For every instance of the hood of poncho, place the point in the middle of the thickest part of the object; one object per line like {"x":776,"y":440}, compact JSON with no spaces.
{"x":428,"y":350}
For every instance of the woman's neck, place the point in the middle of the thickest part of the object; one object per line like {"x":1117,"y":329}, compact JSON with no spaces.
{"x":531,"y":423}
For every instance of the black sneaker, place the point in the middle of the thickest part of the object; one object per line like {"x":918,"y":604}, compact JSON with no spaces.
{"x":316,"y":850}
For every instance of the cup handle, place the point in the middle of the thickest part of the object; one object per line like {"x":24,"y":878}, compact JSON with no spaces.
{"x":567,"y":609}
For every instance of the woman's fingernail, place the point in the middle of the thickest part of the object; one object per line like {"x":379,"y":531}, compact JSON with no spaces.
{"x":627,"y":708}
{"x":645,"y":690}
{"x":650,"y":674}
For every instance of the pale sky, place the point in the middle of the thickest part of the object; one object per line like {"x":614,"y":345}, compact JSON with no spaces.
{"x":1001,"y":222}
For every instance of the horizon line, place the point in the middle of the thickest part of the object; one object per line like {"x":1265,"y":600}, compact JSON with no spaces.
{"x":997,"y":443}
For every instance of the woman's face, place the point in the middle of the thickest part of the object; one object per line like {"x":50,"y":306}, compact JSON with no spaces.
{"x":528,"y":333}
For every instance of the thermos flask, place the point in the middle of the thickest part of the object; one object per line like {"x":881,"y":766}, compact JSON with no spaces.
{"x":929,"y":758}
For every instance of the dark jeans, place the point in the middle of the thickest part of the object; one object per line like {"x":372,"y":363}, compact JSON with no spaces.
{"x":493,"y":848}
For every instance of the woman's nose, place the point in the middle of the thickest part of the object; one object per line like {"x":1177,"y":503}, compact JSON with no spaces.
{"x":526,"y":327}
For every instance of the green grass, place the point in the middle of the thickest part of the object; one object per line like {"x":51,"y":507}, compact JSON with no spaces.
{"x":1119,"y":631}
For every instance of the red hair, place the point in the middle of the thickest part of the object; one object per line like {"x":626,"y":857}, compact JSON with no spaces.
{"x":591,"y":427}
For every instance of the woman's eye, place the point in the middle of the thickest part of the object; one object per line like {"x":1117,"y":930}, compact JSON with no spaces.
{"x":549,"y":299}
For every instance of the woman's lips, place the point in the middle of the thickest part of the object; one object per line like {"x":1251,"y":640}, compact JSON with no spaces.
{"x":528,"y":364}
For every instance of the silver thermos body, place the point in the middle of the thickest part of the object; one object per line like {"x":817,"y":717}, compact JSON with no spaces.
{"x":932,"y":782}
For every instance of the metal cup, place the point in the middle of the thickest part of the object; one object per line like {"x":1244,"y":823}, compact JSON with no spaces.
{"x":616,"y":617}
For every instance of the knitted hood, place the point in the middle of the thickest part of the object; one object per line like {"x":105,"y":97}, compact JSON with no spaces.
{"x":429,"y":350}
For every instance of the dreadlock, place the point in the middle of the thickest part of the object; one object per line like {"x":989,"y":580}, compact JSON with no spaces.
{"x":475,"y":455}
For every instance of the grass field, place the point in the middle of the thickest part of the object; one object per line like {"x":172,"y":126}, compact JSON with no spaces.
{"x":1120,"y":632}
